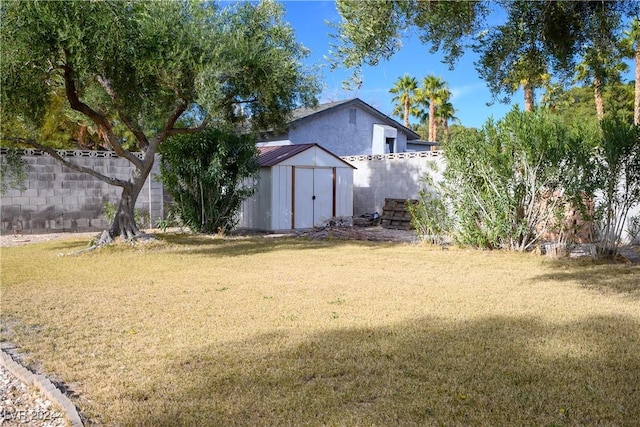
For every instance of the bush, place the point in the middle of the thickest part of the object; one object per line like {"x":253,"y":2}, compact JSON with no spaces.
{"x":209,"y":174}
{"x":430,"y":216}
{"x":507,"y":182}
{"x":13,"y":171}
{"x":616,"y":171}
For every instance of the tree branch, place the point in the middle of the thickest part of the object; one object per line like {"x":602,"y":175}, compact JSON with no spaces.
{"x":98,"y":119}
{"x":140,"y":136}
{"x":201,"y":126}
{"x":169,"y":128}
{"x":53,"y":153}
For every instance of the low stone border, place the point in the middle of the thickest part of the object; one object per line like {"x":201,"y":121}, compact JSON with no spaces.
{"x":44,"y":385}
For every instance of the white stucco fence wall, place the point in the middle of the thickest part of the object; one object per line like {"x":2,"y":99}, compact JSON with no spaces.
{"x":393,"y":176}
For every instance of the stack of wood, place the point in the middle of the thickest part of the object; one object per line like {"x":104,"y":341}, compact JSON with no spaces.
{"x":395,"y":214}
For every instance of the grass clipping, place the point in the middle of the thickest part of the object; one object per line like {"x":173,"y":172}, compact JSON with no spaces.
{"x":208,"y":331}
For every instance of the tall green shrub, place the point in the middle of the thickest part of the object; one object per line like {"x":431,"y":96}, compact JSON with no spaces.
{"x":430,"y":217}
{"x":616,"y":169}
{"x":507,"y":181}
{"x":209,"y":174}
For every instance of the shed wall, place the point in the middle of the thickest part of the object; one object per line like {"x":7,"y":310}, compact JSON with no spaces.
{"x":281,"y":202}
{"x":344,"y":192}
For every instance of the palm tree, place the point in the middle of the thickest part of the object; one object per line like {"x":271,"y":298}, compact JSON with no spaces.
{"x":598,"y":69}
{"x":442,"y":97}
{"x":632,"y":44}
{"x":530,"y":73}
{"x":446,"y":114}
{"x":404,"y":92}
{"x":432,"y":87}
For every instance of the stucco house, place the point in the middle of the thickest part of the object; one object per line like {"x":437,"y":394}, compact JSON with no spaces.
{"x":345,"y":128}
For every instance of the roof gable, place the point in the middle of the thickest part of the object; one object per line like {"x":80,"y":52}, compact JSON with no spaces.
{"x":304,"y":114}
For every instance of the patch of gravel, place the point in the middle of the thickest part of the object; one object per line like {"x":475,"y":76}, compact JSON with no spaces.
{"x":23,"y":405}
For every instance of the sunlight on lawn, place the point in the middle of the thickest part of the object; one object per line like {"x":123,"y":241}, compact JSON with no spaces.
{"x":249,"y":331}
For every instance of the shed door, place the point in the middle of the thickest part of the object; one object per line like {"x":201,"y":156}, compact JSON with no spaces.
{"x":313,"y":196}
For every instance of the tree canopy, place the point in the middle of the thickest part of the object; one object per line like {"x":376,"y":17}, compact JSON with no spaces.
{"x":137,"y":73}
{"x":536,"y":41}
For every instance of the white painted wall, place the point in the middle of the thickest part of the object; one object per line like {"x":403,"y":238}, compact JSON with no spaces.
{"x":395,"y":176}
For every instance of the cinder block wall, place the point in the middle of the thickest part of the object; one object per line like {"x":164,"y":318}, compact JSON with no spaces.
{"x":395,"y":176}
{"x":59,"y":199}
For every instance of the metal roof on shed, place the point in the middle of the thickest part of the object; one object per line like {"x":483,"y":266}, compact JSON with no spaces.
{"x":272,"y":155}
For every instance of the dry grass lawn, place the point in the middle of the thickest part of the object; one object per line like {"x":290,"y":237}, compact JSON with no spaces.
{"x":204,"y":331}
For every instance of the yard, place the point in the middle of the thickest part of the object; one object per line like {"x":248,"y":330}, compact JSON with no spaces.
{"x":259,"y":331}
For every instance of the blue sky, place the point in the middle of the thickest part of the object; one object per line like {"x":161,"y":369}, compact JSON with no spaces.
{"x":469,"y":93}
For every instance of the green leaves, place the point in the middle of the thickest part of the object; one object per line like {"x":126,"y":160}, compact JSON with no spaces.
{"x":616,"y":170}
{"x":208,"y":175}
{"x":135,"y":61}
{"x":507,"y":182}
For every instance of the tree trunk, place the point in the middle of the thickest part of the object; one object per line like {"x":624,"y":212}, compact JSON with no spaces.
{"x":529,"y":97}
{"x":406,"y":112}
{"x":597,"y":93}
{"x":432,"y":120}
{"x":436,"y":125}
{"x":445,"y":126}
{"x":636,"y":102}
{"x":124,"y":223}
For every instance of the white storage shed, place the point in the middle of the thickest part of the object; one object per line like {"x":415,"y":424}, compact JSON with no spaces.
{"x":300,"y":186}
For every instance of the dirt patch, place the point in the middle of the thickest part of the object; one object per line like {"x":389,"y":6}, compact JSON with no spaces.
{"x":25,"y":239}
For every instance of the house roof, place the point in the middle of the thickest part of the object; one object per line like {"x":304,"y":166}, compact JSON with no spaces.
{"x":271,"y":155}
{"x":302,"y":114}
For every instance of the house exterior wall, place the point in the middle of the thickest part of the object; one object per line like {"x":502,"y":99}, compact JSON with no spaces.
{"x":335,"y":131}
{"x":58,"y":199}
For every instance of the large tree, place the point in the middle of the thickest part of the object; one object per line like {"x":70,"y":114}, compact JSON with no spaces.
{"x":433,"y":92}
{"x":140,"y":72}
{"x":404,"y":91}
{"x":446,"y":114}
{"x":596,"y":71}
{"x":603,"y":53}
{"x":513,"y":55}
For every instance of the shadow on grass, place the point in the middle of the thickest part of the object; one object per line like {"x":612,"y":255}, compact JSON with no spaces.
{"x":231,"y":247}
{"x":605,"y":277}
{"x":493,"y":371}
{"x":213,"y":245}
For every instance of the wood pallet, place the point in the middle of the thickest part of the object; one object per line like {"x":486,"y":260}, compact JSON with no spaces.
{"x":395,"y":214}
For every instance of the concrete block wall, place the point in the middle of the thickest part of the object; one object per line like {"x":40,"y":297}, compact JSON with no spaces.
{"x":59,"y":199}
{"x":395,"y":176}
